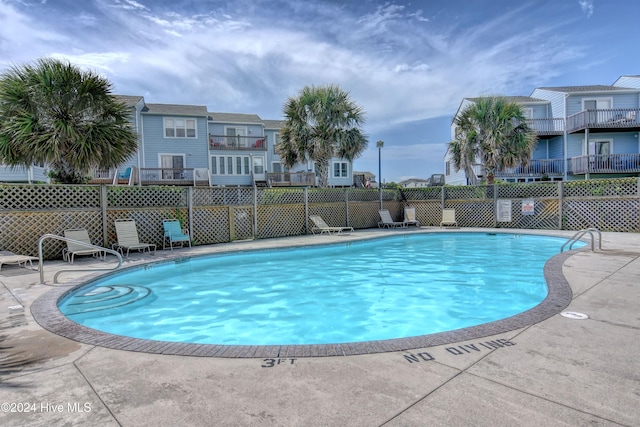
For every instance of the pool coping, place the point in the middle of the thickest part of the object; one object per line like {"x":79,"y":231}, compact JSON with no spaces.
{"x":46,"y":313}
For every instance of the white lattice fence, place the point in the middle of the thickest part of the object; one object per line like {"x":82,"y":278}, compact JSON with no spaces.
{"x":545,"y":217}
{"x":134,"y":197}
{"x":280,"y":221}
{"x":21,"y":230}
{"x":211,"y":225}
{"x":45,"y":197}
{"x":334,"y":214}
{"x":429,"y":213}
{"x":363,"y":214}
{"x":606,"y":214}
{"x":148,"y":222}
{"x":472,"y":213}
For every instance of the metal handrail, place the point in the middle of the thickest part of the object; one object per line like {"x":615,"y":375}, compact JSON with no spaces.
{"x":66,"y":239}
{"x":579,"y":235}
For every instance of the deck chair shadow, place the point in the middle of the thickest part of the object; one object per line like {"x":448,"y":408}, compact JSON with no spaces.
{"x":319,"y":226}
{"x":173,"y":233}
{"x":127,"y":234}
{"x":387,"y":222}
{"x":8,"y":257}
{"x":448,"y":218}
{"x":410,"y":217}
{"x":80,"y":235}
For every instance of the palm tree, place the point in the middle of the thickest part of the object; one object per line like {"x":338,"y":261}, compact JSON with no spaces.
{"x":321,"y":122}
{"x":55,"y":113}
{"x":492,"y":130}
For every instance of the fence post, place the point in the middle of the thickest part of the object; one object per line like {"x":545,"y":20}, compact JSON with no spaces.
{"x":495,"y":205}
{"x":306,"y":209}
{"x":560,"y":202}
{"x":255,"y":212}
{"x":346,"y":202}
{"x":190,"y":209}
{"x":103,"y":208}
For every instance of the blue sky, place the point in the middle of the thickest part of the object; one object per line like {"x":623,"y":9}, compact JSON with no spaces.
{"x":408,"y":64}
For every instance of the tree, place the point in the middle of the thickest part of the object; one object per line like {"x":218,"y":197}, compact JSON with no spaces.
{"x":492,"y":130}
{"x":55,"y":113}
{"x":321,"y":122}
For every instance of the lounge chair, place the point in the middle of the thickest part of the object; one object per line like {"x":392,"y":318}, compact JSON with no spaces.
{"x":448,"y":217}
{"x":173,"y":233}
{"x":127,"y":233}
{"x":73,"y":249}
{"x":410,"y":217}
{"x":387,"y":221}
{"x":8,"y":257}
{"x":322,"y":227}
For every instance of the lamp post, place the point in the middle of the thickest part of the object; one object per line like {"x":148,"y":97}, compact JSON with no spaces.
{"x":380,"y":144}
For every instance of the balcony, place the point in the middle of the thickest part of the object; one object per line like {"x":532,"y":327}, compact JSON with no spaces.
{"x":152,"y":176}
{"x":535,"y":168}
{"x":174,"y":176}
{"x":291,"y":179}
{"x":609,"y":163}
{"x":605,"y":120}
{"x":547,"y":127}
{"x":237,"y":143}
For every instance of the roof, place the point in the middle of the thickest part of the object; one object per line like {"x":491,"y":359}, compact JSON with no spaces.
{"x":235,"y":118}
{"x":274,"y":124}
{"x":588,"y":88}
{"x":129,"y":100}
{"x":175,"y":109}
{"x":518,"y":98}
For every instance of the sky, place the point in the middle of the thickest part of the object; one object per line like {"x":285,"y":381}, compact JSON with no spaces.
{"x":407,"y":64}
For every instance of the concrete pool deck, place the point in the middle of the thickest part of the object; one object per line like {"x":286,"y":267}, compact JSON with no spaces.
{"x":558,"y":371}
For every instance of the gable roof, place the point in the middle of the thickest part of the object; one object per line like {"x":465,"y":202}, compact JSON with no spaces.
{"x":129,"y":100}
{"x":587,"y":88}
{"x":175,"y":109}
{"x":235,"y":118}
{"x":273,"y":124}
{"x":518,"y":98}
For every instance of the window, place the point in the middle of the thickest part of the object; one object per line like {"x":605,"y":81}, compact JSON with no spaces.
{"x":179,"y":128}
{"x":276,"y":143}
{"x":230,"y":165}
{"x":527,"y":113}
{"x":448,"y":168}
{"x":340,"y":169}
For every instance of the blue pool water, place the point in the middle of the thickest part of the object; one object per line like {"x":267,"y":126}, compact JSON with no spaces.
{"x":392,"y":287}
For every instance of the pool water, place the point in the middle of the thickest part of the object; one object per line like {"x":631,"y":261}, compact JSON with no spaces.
{"x":392,"y":287}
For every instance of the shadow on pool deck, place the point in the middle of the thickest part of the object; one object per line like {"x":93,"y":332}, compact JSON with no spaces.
{"x":556,"y":371}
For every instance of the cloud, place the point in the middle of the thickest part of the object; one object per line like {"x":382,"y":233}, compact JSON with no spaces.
{"x":587,"y":7}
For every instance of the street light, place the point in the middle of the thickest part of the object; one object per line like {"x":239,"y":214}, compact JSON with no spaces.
{"x":380,"y":144}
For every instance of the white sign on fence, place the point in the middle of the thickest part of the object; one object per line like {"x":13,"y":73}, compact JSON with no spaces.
{"x":503,"y":209}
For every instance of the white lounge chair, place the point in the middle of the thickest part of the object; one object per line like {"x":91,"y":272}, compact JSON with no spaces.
{"x":73,"y":249}
{"x":387,"y":221}
{"x":127,"y":233}
{"x":8,"y":257}
{"x":410,"y":217}
{"x":448,"y":218}
{"x":321,"y":227}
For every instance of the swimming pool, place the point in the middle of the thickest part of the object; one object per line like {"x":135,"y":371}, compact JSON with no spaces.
{"x":386,"y":288}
